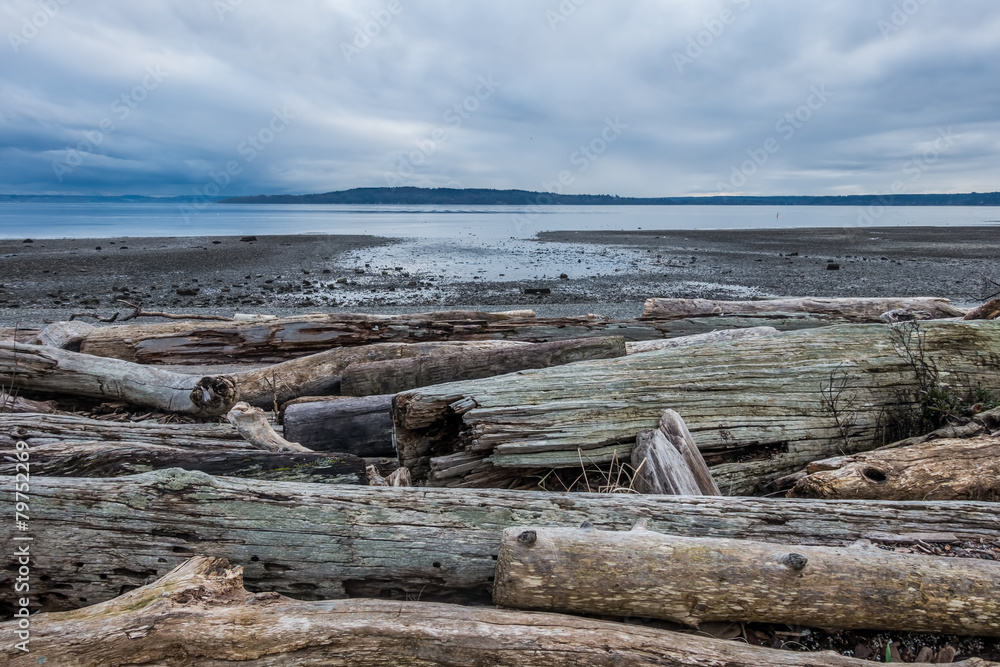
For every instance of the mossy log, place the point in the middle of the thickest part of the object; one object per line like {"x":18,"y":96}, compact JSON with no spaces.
{"x":967,"y":469}
{"x":94,"y":538}
{"x":695,"y":580}
{"x":855,"y":310}
{"x":393,"y":376}
{"x":758,"y":408}
{"x":200,"y":614}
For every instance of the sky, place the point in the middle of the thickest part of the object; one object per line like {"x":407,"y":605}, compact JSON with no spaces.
{"x":632,"y":97}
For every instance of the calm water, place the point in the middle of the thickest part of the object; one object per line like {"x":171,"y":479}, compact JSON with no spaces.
{"x":456,"y":223}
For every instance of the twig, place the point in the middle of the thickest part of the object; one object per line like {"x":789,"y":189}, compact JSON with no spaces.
{"x":95,"y":316}
{"x":137,"y":311}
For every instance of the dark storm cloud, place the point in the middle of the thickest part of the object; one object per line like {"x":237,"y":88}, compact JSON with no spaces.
{"x":246,"y":96}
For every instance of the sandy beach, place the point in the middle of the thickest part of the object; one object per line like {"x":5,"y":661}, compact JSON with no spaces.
{"x":605,"y":272}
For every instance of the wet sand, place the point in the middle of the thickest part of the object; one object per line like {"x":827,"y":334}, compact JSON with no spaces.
{"x":605,"y":272}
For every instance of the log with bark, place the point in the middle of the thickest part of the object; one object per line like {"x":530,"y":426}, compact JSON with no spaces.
{"x":200,"y":613}
{"x":695,"y":580}
{"x":759,"y":408}
{"x":846,"y":309}
{"x":361,"y":426}
{"x":279,"y":339}
{"x":950,"y":469}
{"x":93,"y":538}
{"x":390,"y":377}
{"x":43,"y":368}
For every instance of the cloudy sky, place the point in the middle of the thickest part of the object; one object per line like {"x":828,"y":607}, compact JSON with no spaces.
{"x":631,"y":97}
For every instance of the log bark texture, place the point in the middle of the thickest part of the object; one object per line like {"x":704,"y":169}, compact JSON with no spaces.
{"x":694,"y":580}
{"x":280,"y":339}
{"x":199,"y":614}
{"x":967,"y":469}
{"x":94,"y":538}
{"x":667,"y":461}
{"x":846,"y":309}
{"x":391,"y":377}
{"x":362,"y":426}
{"x":758,"y":408}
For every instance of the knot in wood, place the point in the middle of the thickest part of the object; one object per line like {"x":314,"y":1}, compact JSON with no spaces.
{"x":794,"y":561}
{"x":527,"y":537}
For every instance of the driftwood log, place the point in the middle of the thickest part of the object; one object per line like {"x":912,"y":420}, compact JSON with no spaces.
{"x":849,"y":310}
{"x":11,"y":403}
{"x":694,"y":580}
{"x":666,"y":460}
{"x":200,"y":614}
{"x":361,"y":426}
{"x":758,"y":408}
{"x":966,"y":469}
{"x":50,"y":369}
{"x":700,"y":339}
{"x":988,"y":311}
{"x":41,"y":429}
{"x":94,"y":538}
{"x":280,"y":339}
{"x":390,"y":377}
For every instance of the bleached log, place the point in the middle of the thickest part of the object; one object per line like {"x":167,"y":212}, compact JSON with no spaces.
{"x":200,"y":613}
{"x":390,"y":377}
{"x":666,"y":460}
{"x":847,"y":309}
{"x":252,"y":425}
{"x":758,"y":408}
{"x":94,"y":537}
{"x":64,"y":335}
{"x":695,"y":580}
{"x":700,"y":339}
{"x":967,"y":469}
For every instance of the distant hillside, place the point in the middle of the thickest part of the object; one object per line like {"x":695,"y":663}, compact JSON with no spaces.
{"x":99,"y":199}
{"x":485,"y":197}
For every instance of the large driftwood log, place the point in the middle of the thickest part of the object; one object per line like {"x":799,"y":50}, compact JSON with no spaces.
{"x":362,"y":426}
{"x":390,"y":377}
{"x":117,"y":459}
{"x":938,"y":470}
{"x":200,"y":614}
{"x":44,"y":368}
{"x":694,"y":580}
{"x":93,"y":538}
{"x":700,"y":339}
{"x":41,"y":429}
{"x":666,"y":460}
{"x":280,"y":339}
{"x":758,"y":408}
{"x":849,"y":309}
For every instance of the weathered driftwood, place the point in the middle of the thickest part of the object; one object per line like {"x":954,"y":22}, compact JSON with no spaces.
{"x":252,"y":425}
{"x":699,"y":339}
{"x":693,"y":580}
{"x":849,"y":309}
{"x":759,"y":408}
{"x":988,"y":311}
{"x":120,"y":458}
{"x":19,"y":334}
{"x":361,"y":426}
{"x":44,"y":368}
{"x":279,"y":339}
{"x":94,"y":537}
{"x":398,"y":477}
{"x":390,"y":377}
{"x":11,"y":403}
{"x":666,"y":460}
{"x":199,"y":614}
{"x":967,"y":469}
{"x":40,"y":429}
{"x":64,"y":335}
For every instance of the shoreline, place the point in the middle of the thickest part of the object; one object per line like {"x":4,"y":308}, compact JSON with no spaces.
{"x":606,"y":272}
